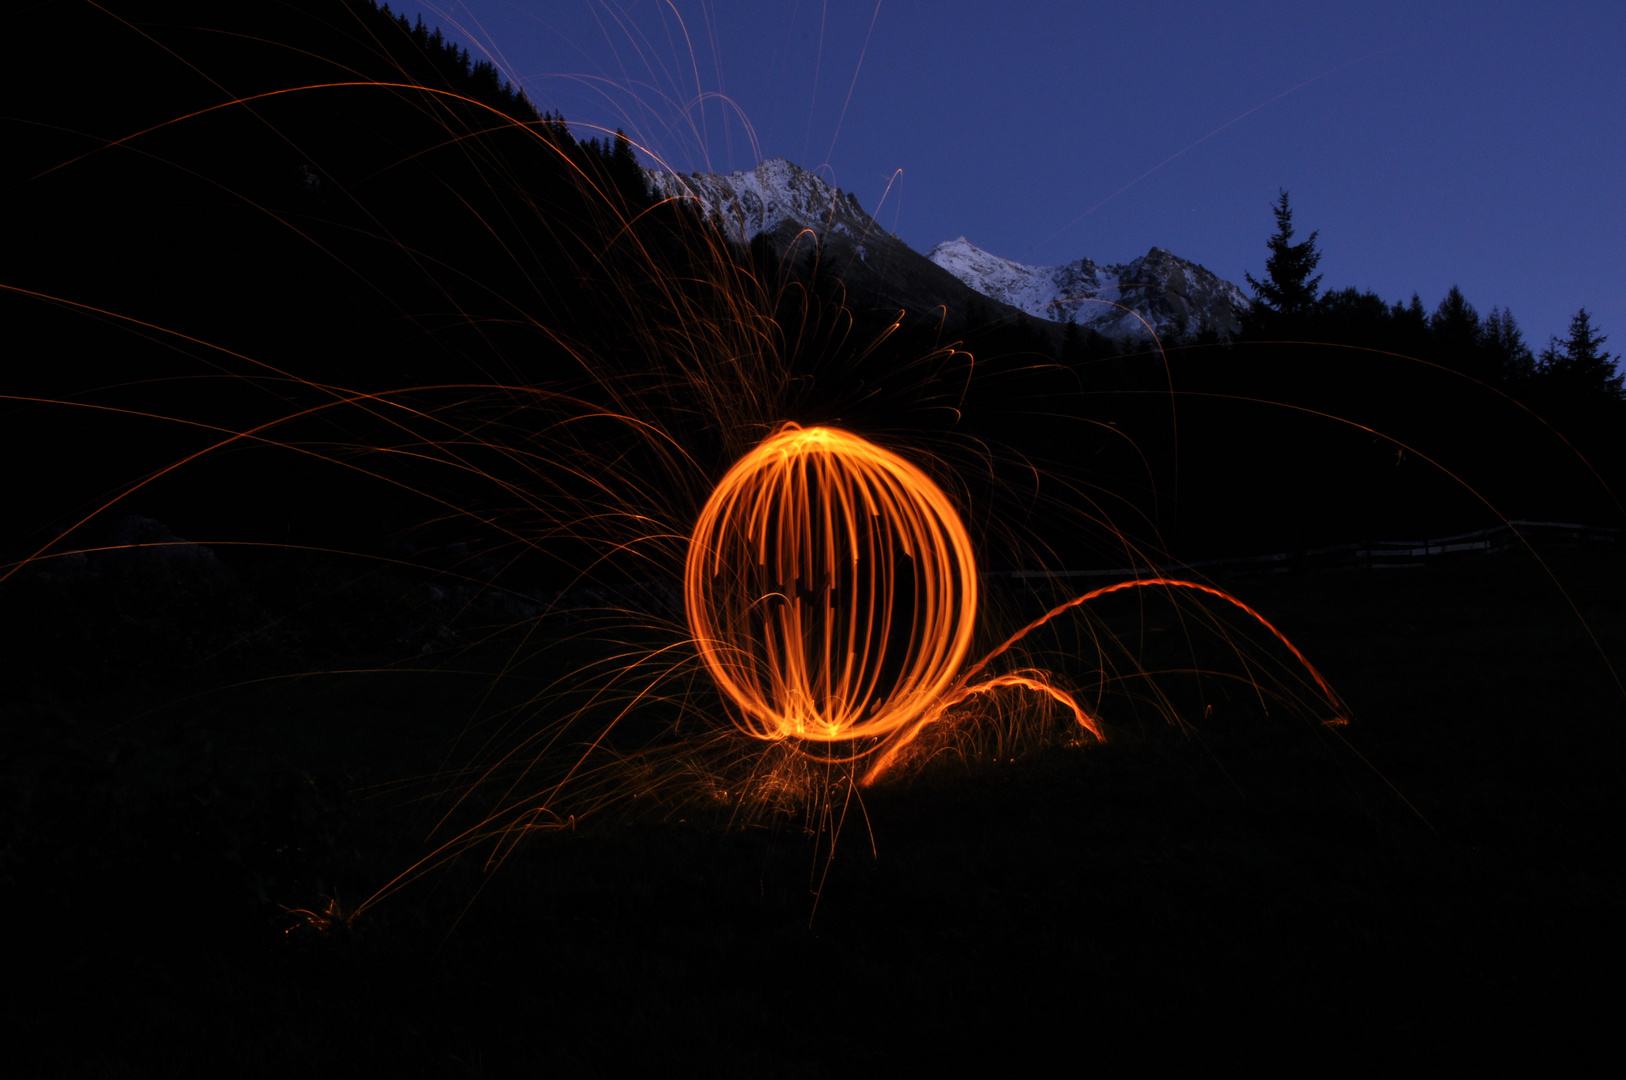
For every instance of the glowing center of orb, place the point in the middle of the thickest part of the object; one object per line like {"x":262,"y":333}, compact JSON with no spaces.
{"x":830,"y":588}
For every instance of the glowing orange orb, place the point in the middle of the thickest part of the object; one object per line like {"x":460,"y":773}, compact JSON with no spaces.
{"x":830,"y":588}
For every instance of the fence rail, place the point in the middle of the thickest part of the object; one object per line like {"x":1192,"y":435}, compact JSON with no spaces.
{"x":1368,"y":554}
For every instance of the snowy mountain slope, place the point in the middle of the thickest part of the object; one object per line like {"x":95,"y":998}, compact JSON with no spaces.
{"x":1176,"y":296}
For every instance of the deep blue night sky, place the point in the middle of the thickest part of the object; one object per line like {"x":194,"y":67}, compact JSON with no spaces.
{"x":1431,"y":144}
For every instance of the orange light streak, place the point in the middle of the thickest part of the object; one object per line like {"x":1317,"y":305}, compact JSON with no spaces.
{"x":1146,"y":583}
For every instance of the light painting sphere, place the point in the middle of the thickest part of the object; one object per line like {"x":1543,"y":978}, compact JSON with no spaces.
{"x":830,"y":588}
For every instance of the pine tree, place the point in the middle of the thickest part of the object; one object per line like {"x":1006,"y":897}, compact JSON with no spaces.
{"x":1408,"y":327}
{"x":1577,"y":367}
{"x":1455,"y":332}
{"x":1455,"y":320}
{"x":625,"y":171}
{"x":622,"y":155}
{"x":1288,"y":288}
{"x":1503,"y":343}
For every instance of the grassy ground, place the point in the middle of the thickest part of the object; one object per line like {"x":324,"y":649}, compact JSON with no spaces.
{"x":1442,"y":888}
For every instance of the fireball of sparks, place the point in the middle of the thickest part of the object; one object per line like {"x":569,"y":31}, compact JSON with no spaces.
{"x":830,"y":588}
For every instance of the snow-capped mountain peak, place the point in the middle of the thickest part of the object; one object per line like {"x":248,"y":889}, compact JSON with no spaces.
{"x":1173,"y":295}
{"x":776,"y":193}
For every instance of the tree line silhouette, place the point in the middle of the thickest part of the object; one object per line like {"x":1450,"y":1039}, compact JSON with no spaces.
{"x":1492,"y":349}
{"x":1393,"y":419}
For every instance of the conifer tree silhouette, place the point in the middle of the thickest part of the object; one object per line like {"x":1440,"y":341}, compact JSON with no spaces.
{"x":1288,"y":288}
{"x":1577,"y":367}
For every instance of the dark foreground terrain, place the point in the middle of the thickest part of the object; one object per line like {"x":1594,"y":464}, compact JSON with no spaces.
{"x":1254,"y":894}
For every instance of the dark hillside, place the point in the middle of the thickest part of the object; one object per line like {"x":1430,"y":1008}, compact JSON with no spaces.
{"x":230,"y":207}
